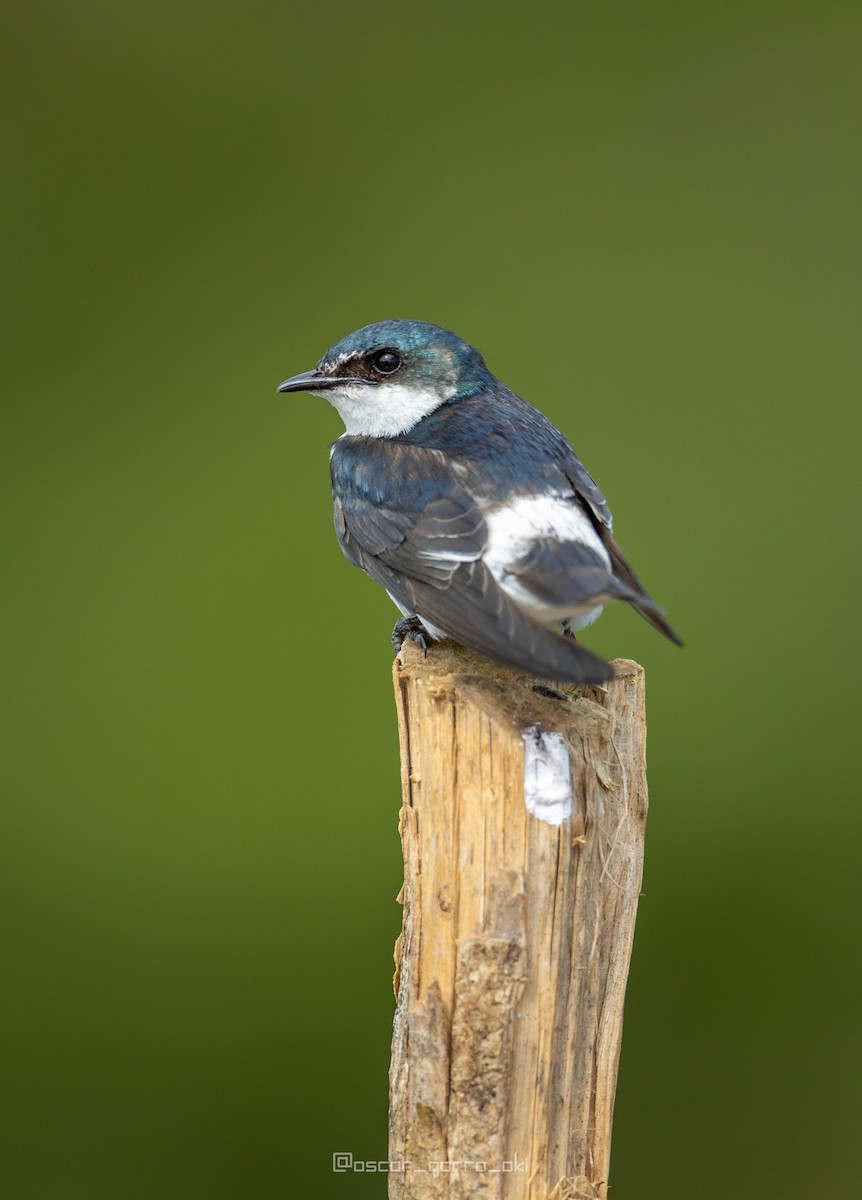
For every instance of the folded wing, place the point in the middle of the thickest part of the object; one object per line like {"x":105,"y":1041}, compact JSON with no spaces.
{"x":431,"y":562}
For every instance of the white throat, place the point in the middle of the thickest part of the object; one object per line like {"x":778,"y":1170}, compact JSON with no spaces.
{"x":384,"y":409}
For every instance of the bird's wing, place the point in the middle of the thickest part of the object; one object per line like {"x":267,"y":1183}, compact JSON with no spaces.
{"x":431,"y":560}
{"x":594,"y":503}
{"x":587,"y":490}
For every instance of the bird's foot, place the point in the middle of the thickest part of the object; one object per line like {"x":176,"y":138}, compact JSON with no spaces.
{"x":410,"y":627}
{"x":567,"y":630}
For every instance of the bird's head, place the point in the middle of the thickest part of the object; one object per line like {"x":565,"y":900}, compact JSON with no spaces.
{"x":385,"y":378}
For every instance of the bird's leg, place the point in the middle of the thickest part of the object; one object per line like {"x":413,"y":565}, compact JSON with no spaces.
{"x":568,"y":632}
{"x":410,"y":627}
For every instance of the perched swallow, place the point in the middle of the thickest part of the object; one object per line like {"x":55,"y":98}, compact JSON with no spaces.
{"x":467,"y":504}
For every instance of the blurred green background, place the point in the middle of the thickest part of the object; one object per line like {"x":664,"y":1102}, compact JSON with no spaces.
{"x":647,"y":217}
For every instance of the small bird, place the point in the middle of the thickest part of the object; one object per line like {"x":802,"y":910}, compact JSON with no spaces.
{"x":467,"y":504}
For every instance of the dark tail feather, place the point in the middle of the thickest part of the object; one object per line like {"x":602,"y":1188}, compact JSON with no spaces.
{"x":655,"y":618}
{"x":643,"y":605}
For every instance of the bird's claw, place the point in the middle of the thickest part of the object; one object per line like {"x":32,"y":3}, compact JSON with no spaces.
{"x":410,"y":627}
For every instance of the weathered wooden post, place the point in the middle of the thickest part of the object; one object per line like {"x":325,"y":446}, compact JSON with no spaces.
{"x":522,"y":828}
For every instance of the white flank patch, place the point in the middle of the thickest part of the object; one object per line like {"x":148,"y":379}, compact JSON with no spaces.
{"x":547,"y":776}
{"x":512,"y":529}
{"x":581,"y":620}
{"x":434,"y":631}
{"x":383,"y":409}
{"x":405,"y":612}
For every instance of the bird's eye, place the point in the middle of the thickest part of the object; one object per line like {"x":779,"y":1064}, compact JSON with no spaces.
{"x":386,"y":362}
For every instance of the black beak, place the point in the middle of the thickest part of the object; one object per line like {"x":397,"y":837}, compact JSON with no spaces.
{"x":314,"y":381}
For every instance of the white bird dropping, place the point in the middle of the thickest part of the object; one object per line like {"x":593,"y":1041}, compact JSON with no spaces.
{"x":547,"y":776}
